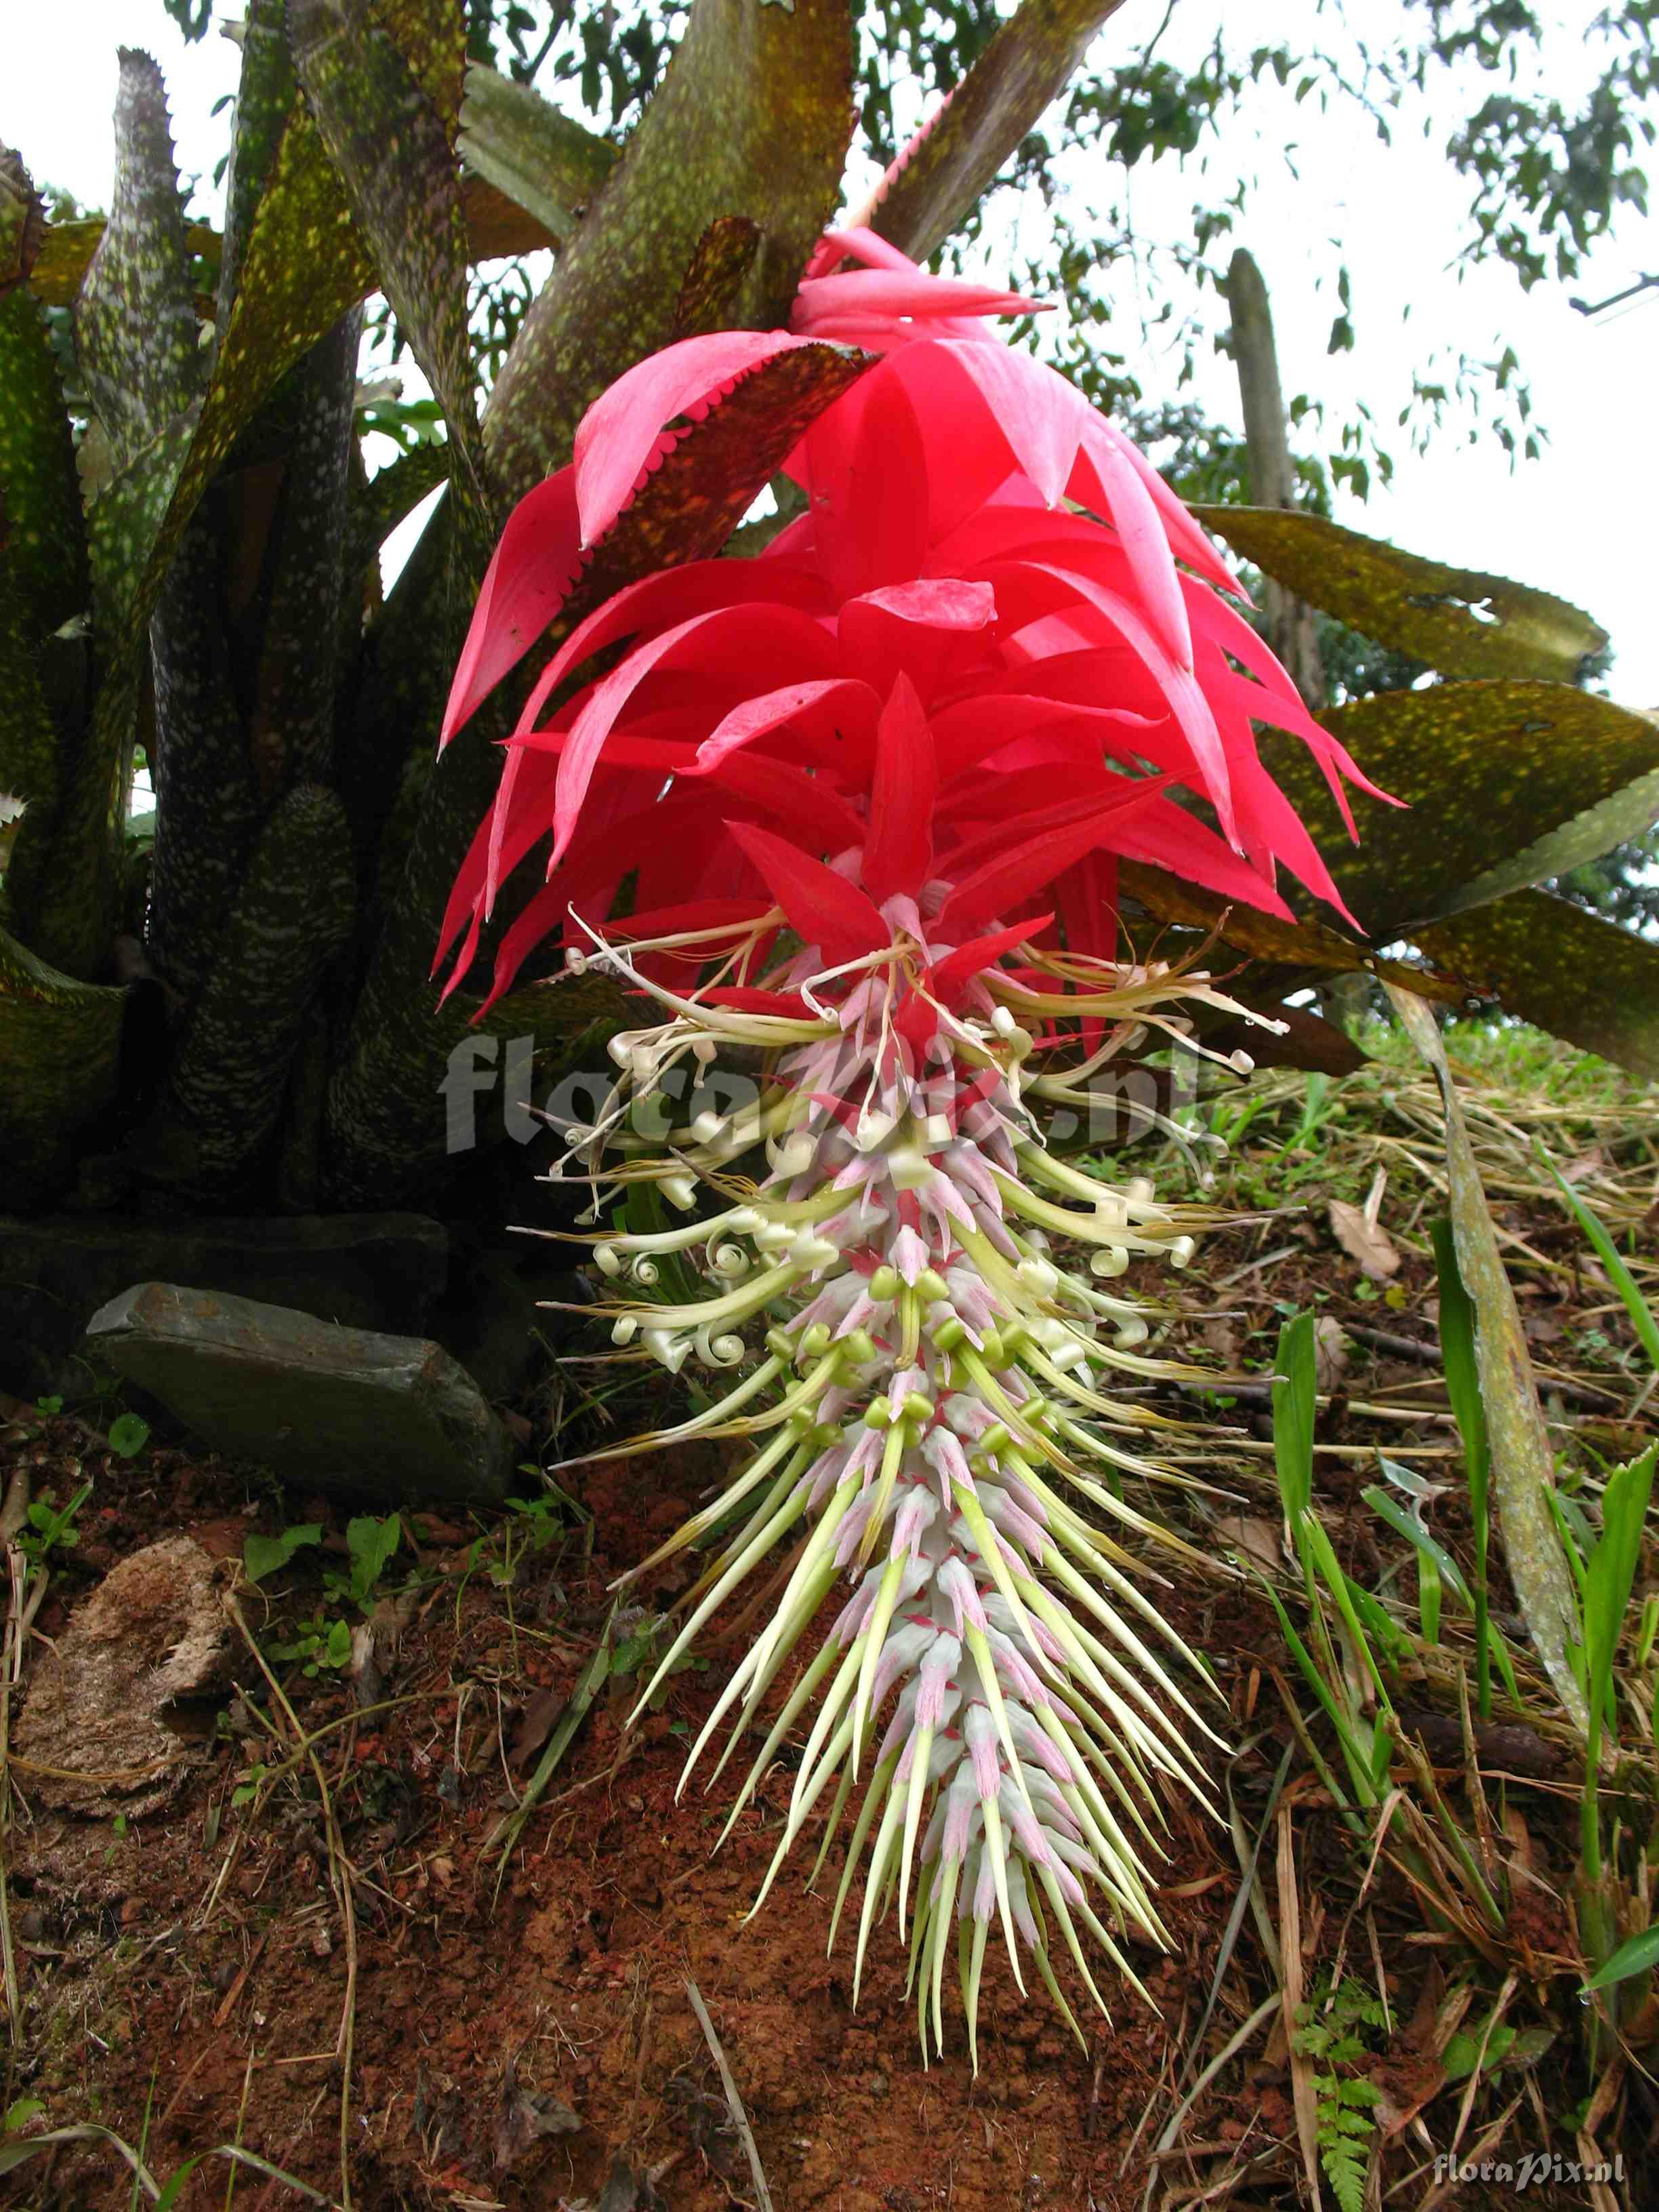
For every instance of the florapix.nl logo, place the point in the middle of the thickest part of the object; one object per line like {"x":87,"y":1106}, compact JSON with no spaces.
{"x":490,"y":1090}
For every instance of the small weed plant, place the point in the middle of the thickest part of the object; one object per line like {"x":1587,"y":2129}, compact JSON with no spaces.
{"x":1337,"y":2029}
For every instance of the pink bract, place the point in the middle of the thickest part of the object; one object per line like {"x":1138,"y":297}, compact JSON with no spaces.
{"x":989,"y":658}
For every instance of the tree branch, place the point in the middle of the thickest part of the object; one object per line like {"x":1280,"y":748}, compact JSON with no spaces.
{"x":1290,"y":630}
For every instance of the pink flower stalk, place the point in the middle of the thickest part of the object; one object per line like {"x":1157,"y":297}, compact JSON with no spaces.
{"x":989,"y":658}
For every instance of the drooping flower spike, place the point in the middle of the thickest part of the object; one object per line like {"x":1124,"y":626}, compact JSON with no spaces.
{"x":916,"y":734}
{"x":929,"y":1411}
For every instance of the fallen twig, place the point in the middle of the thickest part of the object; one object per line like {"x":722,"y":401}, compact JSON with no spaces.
{"x":1590,"y":1396}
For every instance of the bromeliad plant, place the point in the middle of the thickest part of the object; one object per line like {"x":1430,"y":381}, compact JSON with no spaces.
{"x":223,"y":1003}
{"x":867,"y":791}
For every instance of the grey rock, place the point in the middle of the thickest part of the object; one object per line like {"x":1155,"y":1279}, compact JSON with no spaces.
{"x":348,"y":1410}
{"x":380,"y":1271}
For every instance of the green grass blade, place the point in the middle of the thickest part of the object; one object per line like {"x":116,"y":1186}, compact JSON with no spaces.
{"x":1609,"y":1575}
{"x":1355,"y":1736}
{"x":595,"y":1676}
{"x":1641,"y":1313}
{"x":1294,"y":1404}
{"x":1428,"y":1596}
{"x":1435,"y":1554}
{"x":1634,"y":1956}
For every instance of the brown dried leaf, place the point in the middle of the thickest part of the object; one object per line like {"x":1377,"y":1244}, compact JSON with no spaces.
{"x":1364,"y":1240}
{"x":1257,"y":1540}
{"x":1221,"y":1336}
{"x":525,"y":2118}
{"x":534,"y":1727}
{"x":1331,"y":1350}
{"x":1406,"y":2081}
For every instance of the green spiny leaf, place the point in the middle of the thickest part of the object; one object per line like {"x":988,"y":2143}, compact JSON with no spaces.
{"x":1460,"y":621}
{"x":395,"y":155}
{"x":134,"y":321}
{"x":73,"y":848}
{"x":1287,"y":945}
{"x":44,"y":540}
{"x":60,"y":1044}
{"x":710,"y":287}
{"x":1521,"y":1467}
{"x":377,"y":507}
{"x":1520,"y":779}
{"x":767,"y":140}
{"x":28,"y":741}
{"x":519,"y":142}
{"x":304,"y":264}
{"x":265,"y":96}
{"x":22,"y":221}
{"x":125,"y":524}
{"x":293,"y":914}
{"x":1589,"y":981}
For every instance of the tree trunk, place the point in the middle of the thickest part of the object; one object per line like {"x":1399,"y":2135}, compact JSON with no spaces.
{"x":1272,"y":477}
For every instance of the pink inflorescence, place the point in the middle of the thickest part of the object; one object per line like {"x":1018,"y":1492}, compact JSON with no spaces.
{"x":870,"y":787}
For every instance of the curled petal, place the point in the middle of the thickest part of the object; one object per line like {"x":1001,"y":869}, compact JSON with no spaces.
{"x":527,"y":581}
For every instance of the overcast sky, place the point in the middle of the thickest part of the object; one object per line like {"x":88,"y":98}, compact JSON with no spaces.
{"x":1578,"y":522}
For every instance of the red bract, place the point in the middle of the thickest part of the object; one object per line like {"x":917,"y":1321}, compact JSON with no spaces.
{"x":888,"y":299}
{"x":976,"y":669}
